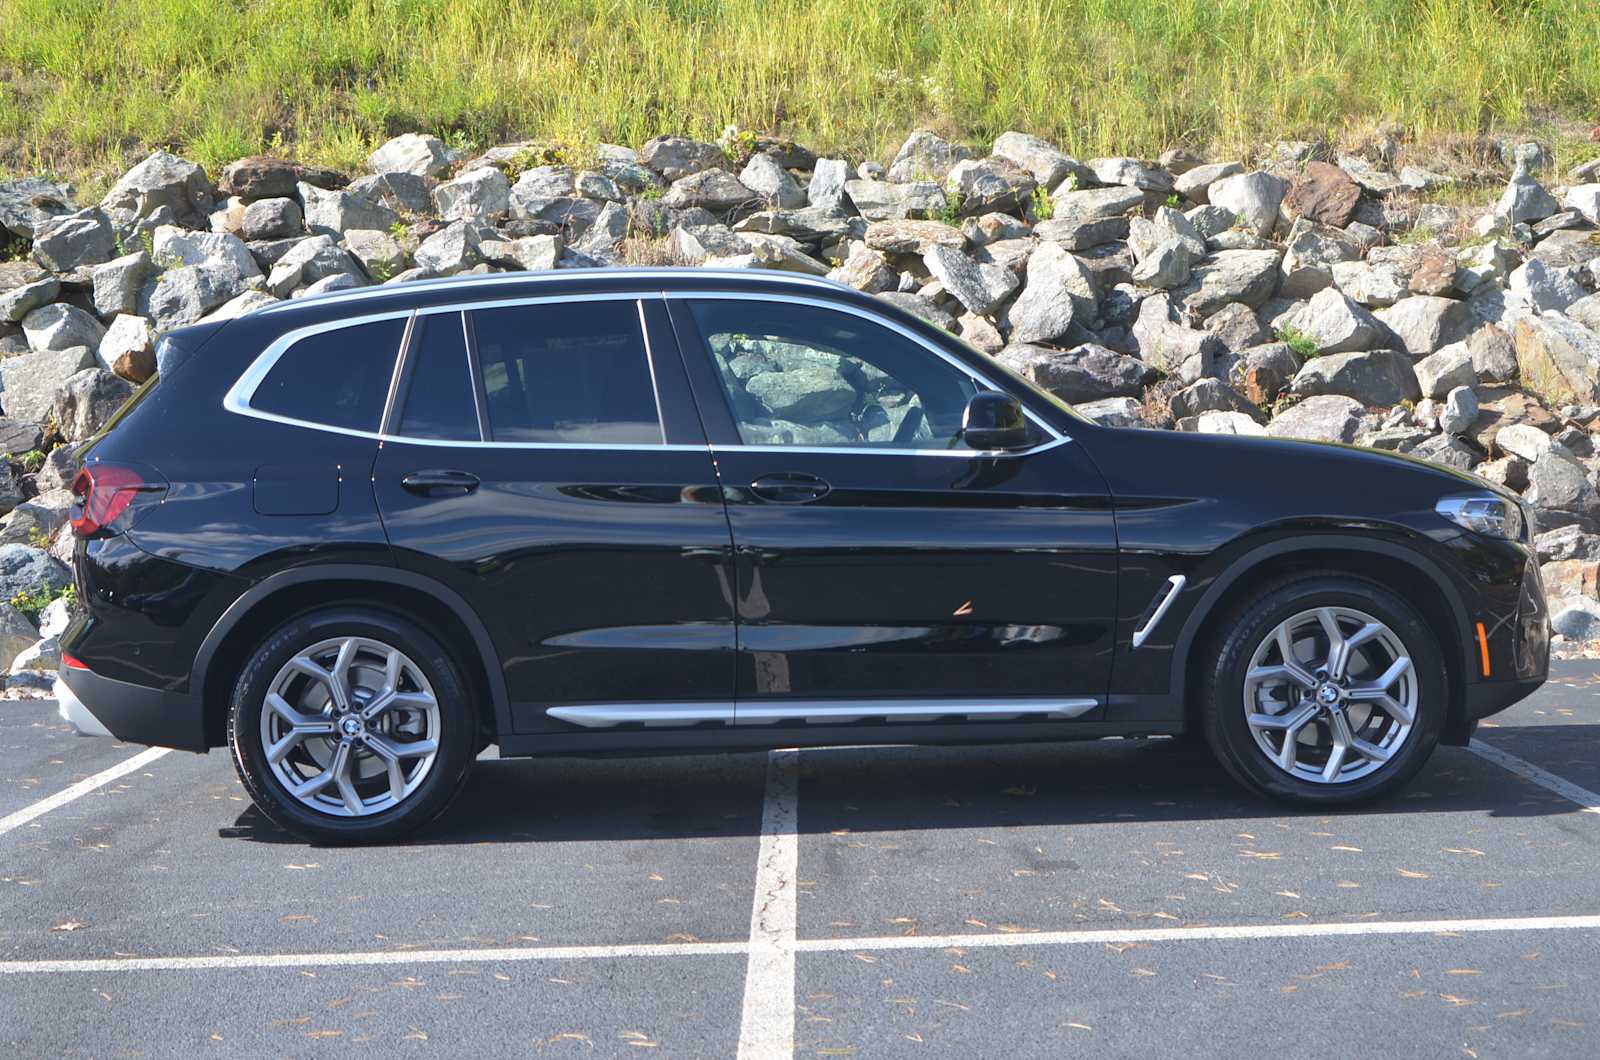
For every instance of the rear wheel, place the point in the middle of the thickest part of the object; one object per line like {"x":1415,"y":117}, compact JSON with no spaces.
{"x":1326,"y":690}
{"x":351,"y":725}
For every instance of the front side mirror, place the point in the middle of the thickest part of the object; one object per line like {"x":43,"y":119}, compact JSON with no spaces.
{"x":994,"y":421}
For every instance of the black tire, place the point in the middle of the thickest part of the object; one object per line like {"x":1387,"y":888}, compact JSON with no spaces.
{"x":458,"y":730}
{"x":1222,"y":689}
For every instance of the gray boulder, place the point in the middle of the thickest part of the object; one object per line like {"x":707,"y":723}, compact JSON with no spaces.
{"x":1425,"y":323}
{"x":1237,"y":327}
{"x":1112,"y":412}
{"x":1254,"y":196}
{"x":1525,"y":199}
{"x":1440,"y":373}
{"x":878,"y":200}
{"x":980,"y":288}
{"x":1042,"y":159}
{"x":17,"y":634}
{"x":162,"y":182}
{"x":274,"y":218}
{"x":416,"y":153}
{"x":1449,"y":451}
{"x":987,"y":184}
{"x":1558,"y":359}
{"x":175,"y":246}
{"x":27,"y":569}
{"x":332,"y":213}
{"x":1323,"y":418}
{"x":1248,"y":276}
{"x":27,"y":203}
{"x":1336,"y":324}
{"x":925,"y":156}
{"x":771,"y":182}
{"x":1375,"y":377}
{"x":482,"y":195}
{"x":19,"y":301}
{"x":182,"y":296}
{"x":1131,"y":172}
{"x":1211,"y":395}
{"x":1309,"y":258}
{"x":87,"y":400}
{"x":828,"y":178}
{"x":1194,"y":184}
{"x":380,"y":255}
{"x":1548,"y":287}
{"x":1460,"y":410}
{"x":61,"y":326}
{"x":1494,"y":355}
{"x":74,"y":240}
{"x":1567,"y":542}
{"x":118,"y":282}
{"x":1059,"y":289}
{"x":450,"y":250}
{"x":18,"y":436}
{"x":1168,"y":346}
{"x":30,"y":380}
{"x":865,"y":270}
{"x":1083,"y":373}
{"x":405,"y":193}
{"x":307,"y":262}
{"x":1577,"y":619}
{"x":1094,"y":203}
{"x":808,"y":394}
{"x":716,"y":190}
{"x":266,"y":177}
{"x":922,"y":307}
{"x":128,"y":348}
{"x":676,"y":157}
{"x":1558,"y":486}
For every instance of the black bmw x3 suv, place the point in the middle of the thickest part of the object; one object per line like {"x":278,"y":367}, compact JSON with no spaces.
{"x":358,"y":538}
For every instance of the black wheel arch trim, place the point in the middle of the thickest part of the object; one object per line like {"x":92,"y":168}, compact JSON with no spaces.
{"x":1203,"y":610}
{"x":358,"y":572}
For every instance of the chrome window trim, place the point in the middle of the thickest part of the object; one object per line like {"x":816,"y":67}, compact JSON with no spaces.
{"x":817,"y":711}
{"x":237,"y":399}
{"x":1054,"y":438}
{"x":650,"y":363}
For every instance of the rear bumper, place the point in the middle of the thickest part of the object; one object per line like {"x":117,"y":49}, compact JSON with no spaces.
{"x":96,"y":705}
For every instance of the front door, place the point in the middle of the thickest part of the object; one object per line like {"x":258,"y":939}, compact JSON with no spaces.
{"x":543,"y":464}
{"x":885,"y":572}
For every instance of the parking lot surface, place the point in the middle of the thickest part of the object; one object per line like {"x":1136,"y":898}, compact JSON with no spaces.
{"x":1108,"y":899}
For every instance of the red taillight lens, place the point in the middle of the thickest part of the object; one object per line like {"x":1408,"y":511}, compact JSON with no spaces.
{"x":102,"y":493}
{"x":72,"y":662}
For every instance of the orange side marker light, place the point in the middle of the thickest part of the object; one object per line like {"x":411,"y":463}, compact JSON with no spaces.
{"x":1483,"y":648}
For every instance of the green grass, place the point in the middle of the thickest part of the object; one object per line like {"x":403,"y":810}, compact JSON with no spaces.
{"x":87,"y":84}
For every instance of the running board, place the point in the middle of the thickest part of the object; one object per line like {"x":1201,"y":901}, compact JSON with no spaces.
{"x":1163,"y":601}
{"x":817,"y":711}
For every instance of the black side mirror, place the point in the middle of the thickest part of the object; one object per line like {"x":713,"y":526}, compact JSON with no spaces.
{"x":994,"y":421}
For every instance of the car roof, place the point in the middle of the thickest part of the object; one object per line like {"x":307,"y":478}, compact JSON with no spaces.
{"x":418,"y":293}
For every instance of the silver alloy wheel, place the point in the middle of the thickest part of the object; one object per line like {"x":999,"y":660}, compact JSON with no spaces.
{"x":350,"y":727}
{"x":1330,"y":695}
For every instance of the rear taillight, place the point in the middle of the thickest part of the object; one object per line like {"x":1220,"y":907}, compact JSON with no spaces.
{"x":103,"y":493}
{"x":72,"y":662}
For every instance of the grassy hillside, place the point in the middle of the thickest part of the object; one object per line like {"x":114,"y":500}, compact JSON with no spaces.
{"x":84,"y":84}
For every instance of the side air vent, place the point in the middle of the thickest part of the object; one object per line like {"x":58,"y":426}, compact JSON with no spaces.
{"x":1158,"y":608}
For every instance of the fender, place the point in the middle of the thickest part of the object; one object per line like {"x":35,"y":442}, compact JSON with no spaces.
{"x":1201,"y":614}
{"x":359,"y":572}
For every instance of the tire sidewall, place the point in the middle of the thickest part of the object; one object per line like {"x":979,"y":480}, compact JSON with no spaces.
{"x":458,"y":735}
{"x":1230,"y":735}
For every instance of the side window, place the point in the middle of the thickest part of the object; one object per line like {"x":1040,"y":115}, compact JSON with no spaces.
{"x":804,"y":375}
{"x":567,"y":372}
{"x":439,"y":401}
{"x":338,"y":378}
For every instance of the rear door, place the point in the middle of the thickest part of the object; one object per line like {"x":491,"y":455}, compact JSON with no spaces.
{"x":546,"y":463}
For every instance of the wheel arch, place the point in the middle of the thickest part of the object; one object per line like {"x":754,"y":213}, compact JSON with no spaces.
{"x":1405,"y":570}
{"x":279,"y":597}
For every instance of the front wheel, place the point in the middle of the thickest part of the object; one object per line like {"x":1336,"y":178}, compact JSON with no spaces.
{"x":1326,"y":690}
{"x":351,"y":725}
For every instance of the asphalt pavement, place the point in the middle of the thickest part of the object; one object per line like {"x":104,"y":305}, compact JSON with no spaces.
{"x":1119,"y":898}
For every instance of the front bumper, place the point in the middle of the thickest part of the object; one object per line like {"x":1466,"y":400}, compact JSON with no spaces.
{"x":96,"y":705}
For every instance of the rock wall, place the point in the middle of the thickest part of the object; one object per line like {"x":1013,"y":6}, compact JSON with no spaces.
{"x":1303,"y":293}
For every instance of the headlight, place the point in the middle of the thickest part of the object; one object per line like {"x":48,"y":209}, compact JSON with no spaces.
{"x":1483,"y":513}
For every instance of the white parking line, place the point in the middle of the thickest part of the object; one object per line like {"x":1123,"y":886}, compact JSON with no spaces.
{"x":766,"y":1025}
{"x":493,"y":955}
{"x":81,"y":788}
{"x":1221,"y":932}
{"x":1588,"y":800}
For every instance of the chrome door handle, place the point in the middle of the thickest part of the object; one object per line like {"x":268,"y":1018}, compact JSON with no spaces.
{"x":790,"y":487}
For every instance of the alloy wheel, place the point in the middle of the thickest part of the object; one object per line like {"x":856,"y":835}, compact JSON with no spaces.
{"x":1330,"y":695}
{"x":350,"y":726}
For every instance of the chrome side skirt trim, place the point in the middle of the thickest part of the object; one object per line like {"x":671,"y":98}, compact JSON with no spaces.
{"x":819,"y":711}
{"x":1174,"y":586}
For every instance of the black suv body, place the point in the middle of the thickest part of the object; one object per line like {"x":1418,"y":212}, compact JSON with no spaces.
{"x":359,"y":537}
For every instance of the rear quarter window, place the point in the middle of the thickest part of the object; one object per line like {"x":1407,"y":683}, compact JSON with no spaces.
{"x":336,"y":378}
